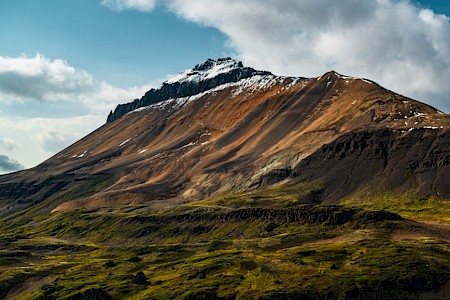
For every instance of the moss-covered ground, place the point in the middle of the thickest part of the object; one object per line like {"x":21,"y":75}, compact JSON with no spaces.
{"x":133,"y":252}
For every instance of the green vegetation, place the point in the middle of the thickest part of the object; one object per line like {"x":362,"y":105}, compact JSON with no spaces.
{"x":133,"y":252}
{"x":275,"y":196}
{"x":408,"y":206}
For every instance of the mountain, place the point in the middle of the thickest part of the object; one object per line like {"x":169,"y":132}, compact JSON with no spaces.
{"x":224,"y":127}
{"x":251,"y":162}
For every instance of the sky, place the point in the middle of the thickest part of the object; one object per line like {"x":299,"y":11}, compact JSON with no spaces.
{"x":65,"y":64}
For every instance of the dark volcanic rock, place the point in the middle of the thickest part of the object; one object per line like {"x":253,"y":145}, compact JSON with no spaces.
{"x":187,"y":88}
{"x":390,"y":160}
{"x":23,"y":191}
{"x":276,"y":175}
{"x":305,"y":214}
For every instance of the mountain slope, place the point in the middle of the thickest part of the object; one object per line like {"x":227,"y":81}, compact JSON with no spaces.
{"x":350,"y":134}
{"x":249,"y":186}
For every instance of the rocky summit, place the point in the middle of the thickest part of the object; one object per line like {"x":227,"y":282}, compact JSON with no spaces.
{"x":201,"y":78}
{"x":231,"y":183}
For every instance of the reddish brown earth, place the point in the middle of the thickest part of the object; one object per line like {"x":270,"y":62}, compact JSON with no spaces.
{"x":349,"y":134}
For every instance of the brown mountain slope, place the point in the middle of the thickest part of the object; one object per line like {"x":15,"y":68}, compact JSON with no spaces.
{"x":350,"y":135}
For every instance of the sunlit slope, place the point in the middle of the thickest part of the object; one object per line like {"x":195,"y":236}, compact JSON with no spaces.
{"x":350,"y":134}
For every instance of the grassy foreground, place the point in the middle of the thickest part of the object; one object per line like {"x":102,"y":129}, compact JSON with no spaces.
{"x":232,"y":249}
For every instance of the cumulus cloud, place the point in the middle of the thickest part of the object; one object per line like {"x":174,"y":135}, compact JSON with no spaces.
{"x":54,"y":134}
{"x":121,"y":5}
{"x":39,"y":138}
{"x":54,"y":141}
{"x":8,"y":144}
{"x":39,"y":78}
{"x":393,"y":42}
{"x":9,"y":165}
{"x":106,"y":97}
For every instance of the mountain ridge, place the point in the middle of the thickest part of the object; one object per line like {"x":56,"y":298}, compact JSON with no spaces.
{"x":201,"y":78}
{"x":235,"y":136}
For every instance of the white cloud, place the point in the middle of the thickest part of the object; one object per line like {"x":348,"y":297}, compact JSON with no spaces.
{"x":42,"y":137}
{"x":393,"y":42}
{"x":106,"y":97}
{"x":39,"y":78}
{"x":24,"y":79}
{"x":8,"y":144}
{"x":121,"y":5}
{"x":54,"y":141}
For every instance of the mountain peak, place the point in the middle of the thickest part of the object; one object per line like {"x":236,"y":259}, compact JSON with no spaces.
{"x":209,"y":64}
{"x":206,"y":70}
{"x":203,"y":77}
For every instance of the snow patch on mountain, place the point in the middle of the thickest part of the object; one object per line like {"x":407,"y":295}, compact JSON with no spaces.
{"x":248,"y":85}
{"x":206,"y":70}
{"x":350,"y":78}
{"x":124,"y":142}
{"x":254,"y":84}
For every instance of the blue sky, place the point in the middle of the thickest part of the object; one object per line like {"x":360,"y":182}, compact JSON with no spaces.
{"x":124,"y":48}
{"x":65,"y":64}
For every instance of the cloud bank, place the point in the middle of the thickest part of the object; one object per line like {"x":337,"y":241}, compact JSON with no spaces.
{"x":106,"y":96}
{"x":8,"y":144}
{"x":399,"y":45}
{"x":9,"y":165}
{"x":39,"y":78}
{"x":54,"y":141}
{"x":43,"y":136}
{"x":24,"y":79}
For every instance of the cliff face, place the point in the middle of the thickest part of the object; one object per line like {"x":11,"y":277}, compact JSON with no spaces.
{"x":223,"y":127}
{"x":191,"y":82}
{"x":415,"y":161}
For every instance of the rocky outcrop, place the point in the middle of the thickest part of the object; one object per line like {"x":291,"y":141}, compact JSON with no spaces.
{"x":23,"y":191}
{"x":185,"y":88}
{"x":275,"y":176}
{"x":384,"y":160}
{"x":305,"y":214}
